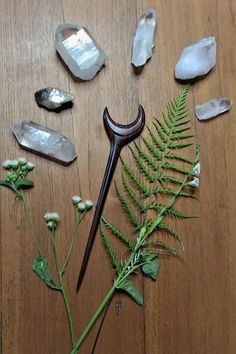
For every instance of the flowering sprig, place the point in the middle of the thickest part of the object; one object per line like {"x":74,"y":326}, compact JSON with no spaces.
{"x":17,"y":172}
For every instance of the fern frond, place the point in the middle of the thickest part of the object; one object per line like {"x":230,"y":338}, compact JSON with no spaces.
{"x":146,"y":157}
{"x":166,"y":130}
{"x":163,"y":137}
{"x":171,"y":179}
{"x":181,"y":123}
{"x":172,"y":212}
{"x":142,"y":168}
{"x":173,"y":167}
{"x":181,"y":129}
{"x":118,"y":233}
{"x":135,"y":180}
{"x":179,"y":145}
{"x":155,"y":140}
{"x":110,"y":251}
{"x":156,"y":154}
{"x":133,"y":196}
{"x":169,"y":191}
{"x":168,"y":124}
{"x":181,"y":136}
{"x":131,"y":214}
{"x":172,"y":155}
{"x":167,"y":228}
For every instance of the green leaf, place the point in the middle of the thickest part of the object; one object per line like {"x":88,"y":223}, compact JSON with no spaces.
{"x":151,"y":268}
{"x":40,"y":267}
{"x":7,"y":184}
{"x":24,"y":183}
{"x":118,"y":233}
{"x":128,"y":286}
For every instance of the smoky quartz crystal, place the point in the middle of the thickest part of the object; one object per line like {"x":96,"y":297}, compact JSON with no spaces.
{"x":54,"y":99}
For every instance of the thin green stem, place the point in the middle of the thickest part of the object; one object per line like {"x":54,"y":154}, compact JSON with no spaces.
{"x":28,"y":221}
{"x":95,"y":317}
{"x":73,"y":237}
{"x":64,"y":293}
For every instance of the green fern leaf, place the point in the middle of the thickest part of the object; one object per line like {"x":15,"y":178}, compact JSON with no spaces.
{"x":110,"y":251}
{"x":142,"y":168}
{"x":181,"y":136}
{"x":169,"y":191}
{"x":168,"y":124}
{"x":146,"y":157}
{"x":135,"y":180}
{"x":133,"y":196}
{"x":166,"y":130}
{"x":172,"y":212}
{"x":152,"y":149}
{"x":173,"y":167}
{"x":182,"y":123}
{"x":172,"y":155}
{"x":181,"y":129}
{"x":167,"y":228}
{"x":179,"y":146}
{"x":161,"y":134}
{"x":171,"y":179}
{"x":155,"y":140}
{"x":128,"y":209}
{"x":118,"y":233}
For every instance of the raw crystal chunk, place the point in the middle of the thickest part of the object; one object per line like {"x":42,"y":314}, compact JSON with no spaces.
{"x":44,"y":141}
{"x":197,"y":59}
{"x":143,"y":43}
{"x":79,"y":51}
{"x":213,"y":108}
{"x":54,"y":99}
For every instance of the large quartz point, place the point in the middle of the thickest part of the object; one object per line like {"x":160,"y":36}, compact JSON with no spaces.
{"x":213,"y":108}
{"x":143,"y":43}
{"x":197,"y":59}
{"x":54,"y":99}
{"x":44,"y":141}
{"x":79,"y":51}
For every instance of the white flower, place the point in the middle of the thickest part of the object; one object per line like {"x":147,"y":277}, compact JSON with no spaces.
{"x":51,"y":225}
{"x":29,"y":166}
{"x":81,"y":206}
{"x":76,"y":199}
{"x":14,"y":164}
{"x":22,"y":160}
{"x":6,"y":164}
{"x":52,"y":216}
{"x":196,"y":170}
{"x":194,"y":183}
{"x":88,"y":204}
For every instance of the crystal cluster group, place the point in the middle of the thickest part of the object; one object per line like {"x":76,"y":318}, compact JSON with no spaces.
{"x":84,"y":58}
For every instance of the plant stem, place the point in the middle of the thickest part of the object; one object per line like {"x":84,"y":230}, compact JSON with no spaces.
{"x":94,"y":318}
{"x":28,"y":221}
{"x":64,"y":293}
{"x":74,"y":233}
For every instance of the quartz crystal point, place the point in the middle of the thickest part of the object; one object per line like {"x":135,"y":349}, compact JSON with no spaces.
{"x":143,"y":43}
{"x":54,"y":99}
{"x":197,"y":59}
{"x":44,"y":141}
{"x":213,"y":108}
{"x":79,"y":51}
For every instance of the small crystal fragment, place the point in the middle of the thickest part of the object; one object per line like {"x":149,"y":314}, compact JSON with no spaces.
{"x":143,"y":43}
{"x":213,"y":108}
{"x":79,"y":51}
{"x":54,"y":99}
{"x":197,"y":59}
{"x":44,"y":141}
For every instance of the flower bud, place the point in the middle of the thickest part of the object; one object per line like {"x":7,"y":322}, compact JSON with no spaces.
{"x":22,"y":161}
{"x":6,"y":164}
{"x":51,"y":216}
{"x":76,"y":199}
{"x":194,"y":183}
{"x":88,"y":204}
{"x":196,"y":170}
{"x":14,"y":164}
{"x":81,"y":206}
{"x":29,"y":166}
{"x":51,"y":225}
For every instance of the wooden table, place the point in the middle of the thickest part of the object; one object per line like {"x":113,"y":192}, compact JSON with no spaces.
{"x":191,"y":309}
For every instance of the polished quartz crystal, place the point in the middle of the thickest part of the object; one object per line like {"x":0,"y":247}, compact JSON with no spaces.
{"x":213,"y":108}
{"x":79,"y":51}
{"x":44,"y":141}
{"x":54,"y":99}
{"x":196,"y":60}
{"x":143,"y":43}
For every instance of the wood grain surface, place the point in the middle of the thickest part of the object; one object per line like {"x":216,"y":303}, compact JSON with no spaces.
{"x":191,"y":309}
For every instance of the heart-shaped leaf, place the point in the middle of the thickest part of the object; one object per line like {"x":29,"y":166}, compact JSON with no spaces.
{"x":152,"y":265}
{"x":128,"y":286}
{"x":40,"y":267}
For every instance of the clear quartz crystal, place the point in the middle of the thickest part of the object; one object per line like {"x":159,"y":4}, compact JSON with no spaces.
{"x":197,"y":59}
{"x":79,"y":51}
{"x":143,"y":43}
{"x":44,"y":141}
{"x":213,"y":108}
